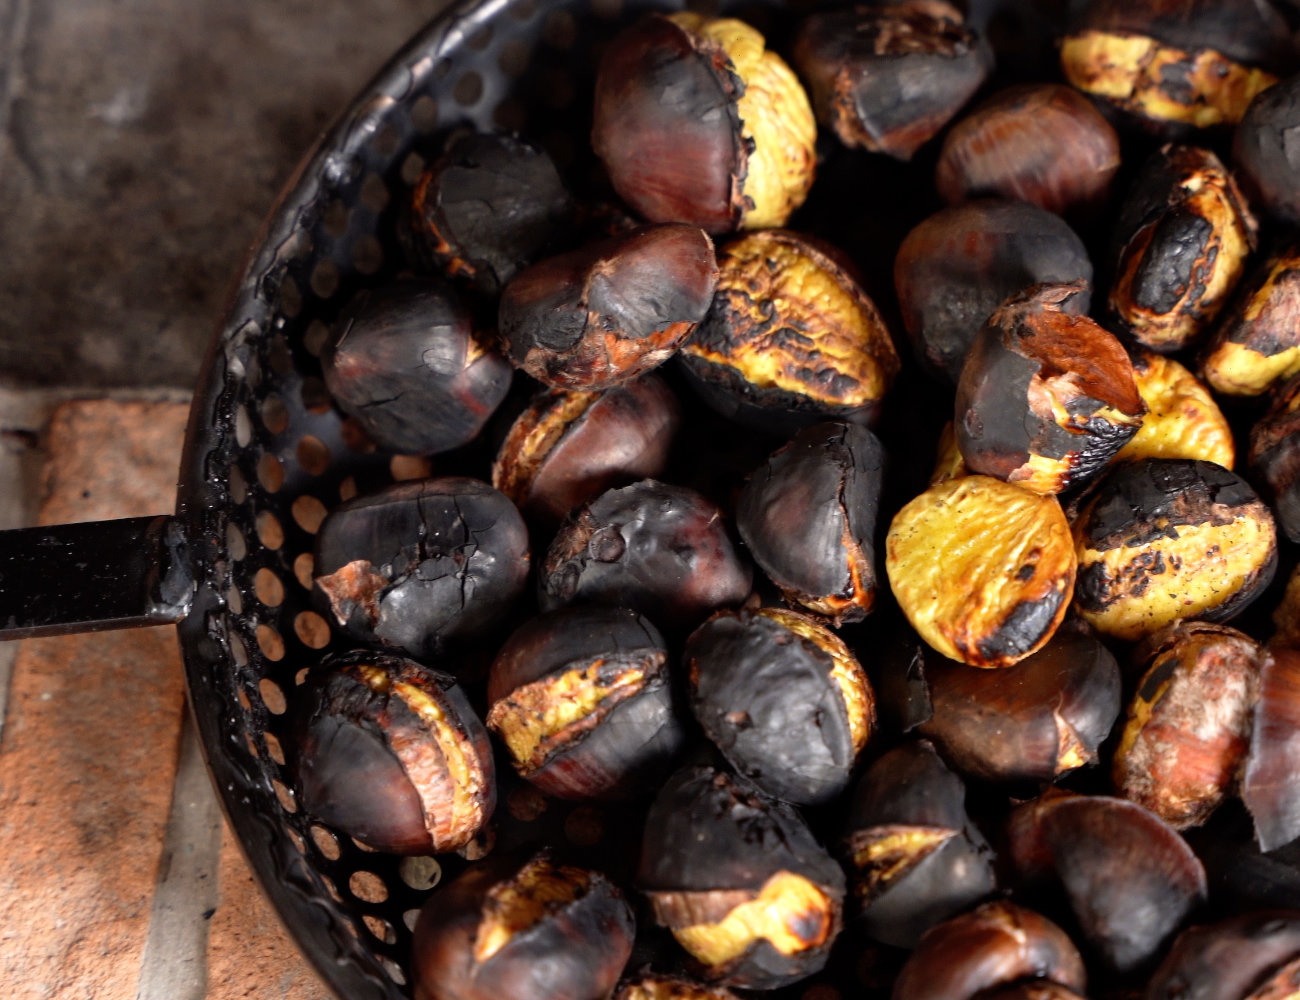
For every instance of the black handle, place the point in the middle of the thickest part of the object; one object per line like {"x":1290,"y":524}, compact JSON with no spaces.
{"x":93,"y":576}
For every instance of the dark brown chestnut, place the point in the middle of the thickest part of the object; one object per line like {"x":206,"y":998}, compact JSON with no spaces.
{"x":1034,"y":989}
{"x":1230,"y":959}
{"x":1263,"y":151}
{"x":1182,"y":418}
{"x":1271,"y":786}
{"x":1256,"y":345}
{"x":1286,"y":616}
{"x":390,"y":752}
{"x":536,"y":931}
{"x":610,"y":311}
{"x":582,"y":700}
{"x":1275,"y":455}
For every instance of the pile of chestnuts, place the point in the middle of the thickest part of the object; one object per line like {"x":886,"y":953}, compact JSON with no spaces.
{"x":916,"y":623}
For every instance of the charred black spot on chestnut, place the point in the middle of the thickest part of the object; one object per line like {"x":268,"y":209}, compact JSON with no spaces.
{"x":404,"y":362}
{"x":738,"y":879}
{"x":421,"y":562}
{"x":1228,"y":958}
{"x":536,"y":931}
{"x":582,"y":699}
{"x":390,"y":752}
{"x":1275,"y":455}
{"x":1263,"y":151}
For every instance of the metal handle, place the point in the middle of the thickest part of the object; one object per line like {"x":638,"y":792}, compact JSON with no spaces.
{"x":93,"y":576}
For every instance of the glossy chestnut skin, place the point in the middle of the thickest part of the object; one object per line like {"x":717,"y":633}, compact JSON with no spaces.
{"x":888,"y":77}
{"x":1266,"y":170}
{"x":1037,"y":989}
{"x":808,"y":517}
{"x":421,"y":562}
{"x":611,"y":310}
{"x":994,"y":944}
{"x":536,"y":931}
{"x":1256,"y":345}
{"x":957,"y":266}
{"x":374,"y":738}
{"x":1182,"y":418}
{"x":404,"y":362}
{"x":568,"y":447}
{"x":1271,"y":785}
{"x":1275,"y":455}
{"x":613,"y":663}
{"x":914,"y":857}
{"x":1228,"y":959}
{"x":714,"y":843}
{"x":1043,"y":143}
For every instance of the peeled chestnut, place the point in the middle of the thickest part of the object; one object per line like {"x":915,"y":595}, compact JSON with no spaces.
{"x":390,"y":752}
{"x":888,"y":77}
{"x":421,"y":562}
{"x":1230,"y":959}
{"x":913,"y":856}
{"x":957,"y":266}
{"x":1256,"y":346}
{"x":1275,"y":455}
{"x":1045,"y":398}
{"x":1182,"y":418}
{"x":536,"y":931}
{"x":1263,"y":149}
{"x":948,"y":460}
{"x":652,"y":986}
{"x":568,"y":447}
{"x":808,"y":517}
{"x":582,"y":700}
{"x":783,"y":699}
{"x":611,"y":310}
{"x":404,"y":362}
{"x":1271,"y":785}
{"x":790,"y":339}
{"x":696,"y":121}
{"x":738,"y":879}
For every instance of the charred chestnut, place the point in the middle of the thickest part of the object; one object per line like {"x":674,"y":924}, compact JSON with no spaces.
{"x":1271,"y":786}
{"x":738,"y":879}
{"x":1275,"y":455}
{"x":1045,"y":398}
{"x":1257,"y":344}
{"x":1229,"y":959}
{"x":913,"y":856}
{"x":1263,"y":150}
{"x":1043,"y":143}
{"x":783,"y":699}
{"x":1182,"y":419}
{"x":1184,"y":234}
{"x":540,"y":931}
{"x":956,"y":267}
{"x":1164,"y":539}
{"x":790,"y":338}
{"x":651,"y":986}
{"x":610,"y":311}
{"x":662,"y":550}
{"x":808,"y":517}
{"x":421,"y":562}
{"x":390,"y":752}
{"x":568,"y":447}
{"x":696,"y":121}
{"x":994,"y":944}
{"x":582,"y":700}
{"x":404,"y":362}
{"x":982,"y":569}
{"x":888,"y":77}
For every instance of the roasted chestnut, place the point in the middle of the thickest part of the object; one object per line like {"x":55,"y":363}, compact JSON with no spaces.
{"x":1286,"y":616}
{"x":956,"y":267}
{"x":738,"y":879}
{"x":390,"y":752}
{"x":808,"y":517}
{"x":783,"y":699}
{"x":536,"y":931}
{"x":1182,"y":419}
{"x":1263,"y":150}
{"x":1271,"y":786}
{"x":1275,"y":455}
{"x":652,"y":986}
{"x":403,"y":361}
{"x":696,"y":121}
{"x":948,"y":460}
{"x":1033,"y":989}
{"x":421,"y":562}
{"x":611,"y":310}
{"x":1257,"y":344}
{"x":790,"y":339}
{"x":582,"y":700}
{"x":1229,"y":959}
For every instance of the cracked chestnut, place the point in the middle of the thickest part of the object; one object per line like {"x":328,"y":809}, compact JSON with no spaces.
{"x":1263,"y":150}
{"x":1256,"y":345}
{"x":1271,"y":784}
{"x":1275,"y":455}
{"x":1182,"y":418}
{"x":654,"y":986}
{"x":1238,"y":958}
{"x":390,"y":752}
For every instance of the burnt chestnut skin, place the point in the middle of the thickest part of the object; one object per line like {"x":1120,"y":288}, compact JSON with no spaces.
{"x":1263,"y":151}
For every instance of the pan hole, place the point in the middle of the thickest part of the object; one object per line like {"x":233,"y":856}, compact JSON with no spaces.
{"x":290,"y":297}
{"x":298,"y":842}
{"x":409,"y":918}
{"x":308,"y":512}
{"x":313,"y":455}
{"x":523,"y":10}
{"x":238,"y":651}
{"x":272,"y":696}
{"x":326,"y":842}
{"x":387,"y":139}
{"x":243,"y":428}
{"x":269,"y":589}
{"x":252,"y":745}
{"x":510,"y":115}
{"x":315,"y":338}
{"x":363,"y":847}
{"x":302,"y":569}
{"x":312,"y":630}
{"x":368,"y":887}
{"x":367,"y":255}
{"x":300,"y":678}
{"x":285,"y":795}
{"x":424,"y":113}
{"x":334,"y":220}
{"x":238,"y":486}
{"x":394,"y":970}
{"x":275,"y":415}
{"x":235,"y":543}
{"x":270,"y":643}
{"x":468,"y":89}
{"x":420,"y":873}
{"x":374,"y":193}
{"x":481,"y":39}
{"x":403,"y":467}
{"x":273,"y":747}
{"x":380,"y":928}
{"x":242,"y":697}
{"x":269,"y":531}
{"x":347,"y":489}
{"x":412,"y":168}
{"x":280,"y":356}
{"x":325,"y":279}
{"x":234,"y":599}
{"x":331,"y":888}
{"x":270,"y":473}
{"x":526,"y":804}
{"x":315,"y":395}
{"x":560,"y":30}
{"x":513,"y":59}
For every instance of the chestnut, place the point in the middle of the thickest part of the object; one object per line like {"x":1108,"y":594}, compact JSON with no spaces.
{"x":536,"y":931}
{"x":1271,"y":785}
{"x":1163,"y":539}
{"x":948,"y":460}
{"x":404,"y":362}
{"x":888,"y":77}
{"x":1286,"y":616}
{"x":568,"y":447}
{"x":1230,"y":959}
{"x":1034,"y":989}
{"x":582,"y":700}
{"x":738,"y":879}
{"x":389,"y":752}
{"x":994,"y":944}
{"x":808,"y":517}
{"x":659,"y":549}
{"x":1045,"y":398}
{"x":1275,"y":455}
{"x":1182,"y":418}
{"x":1263,"y":151}
{"x":696,"y":121}
{"x":982,"y":569}
{"x":783,"y":699}
{"x":1184,"y":234}
{"x":421,"y":562}
{"x":913,"y":856}
{"x":1043,"y":143}
{"x":1256,"y":346}
{"x":611,"y":310}
{"x":790,"y":338}
{"x":654,"y":986}
{"x":957,"y":266}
